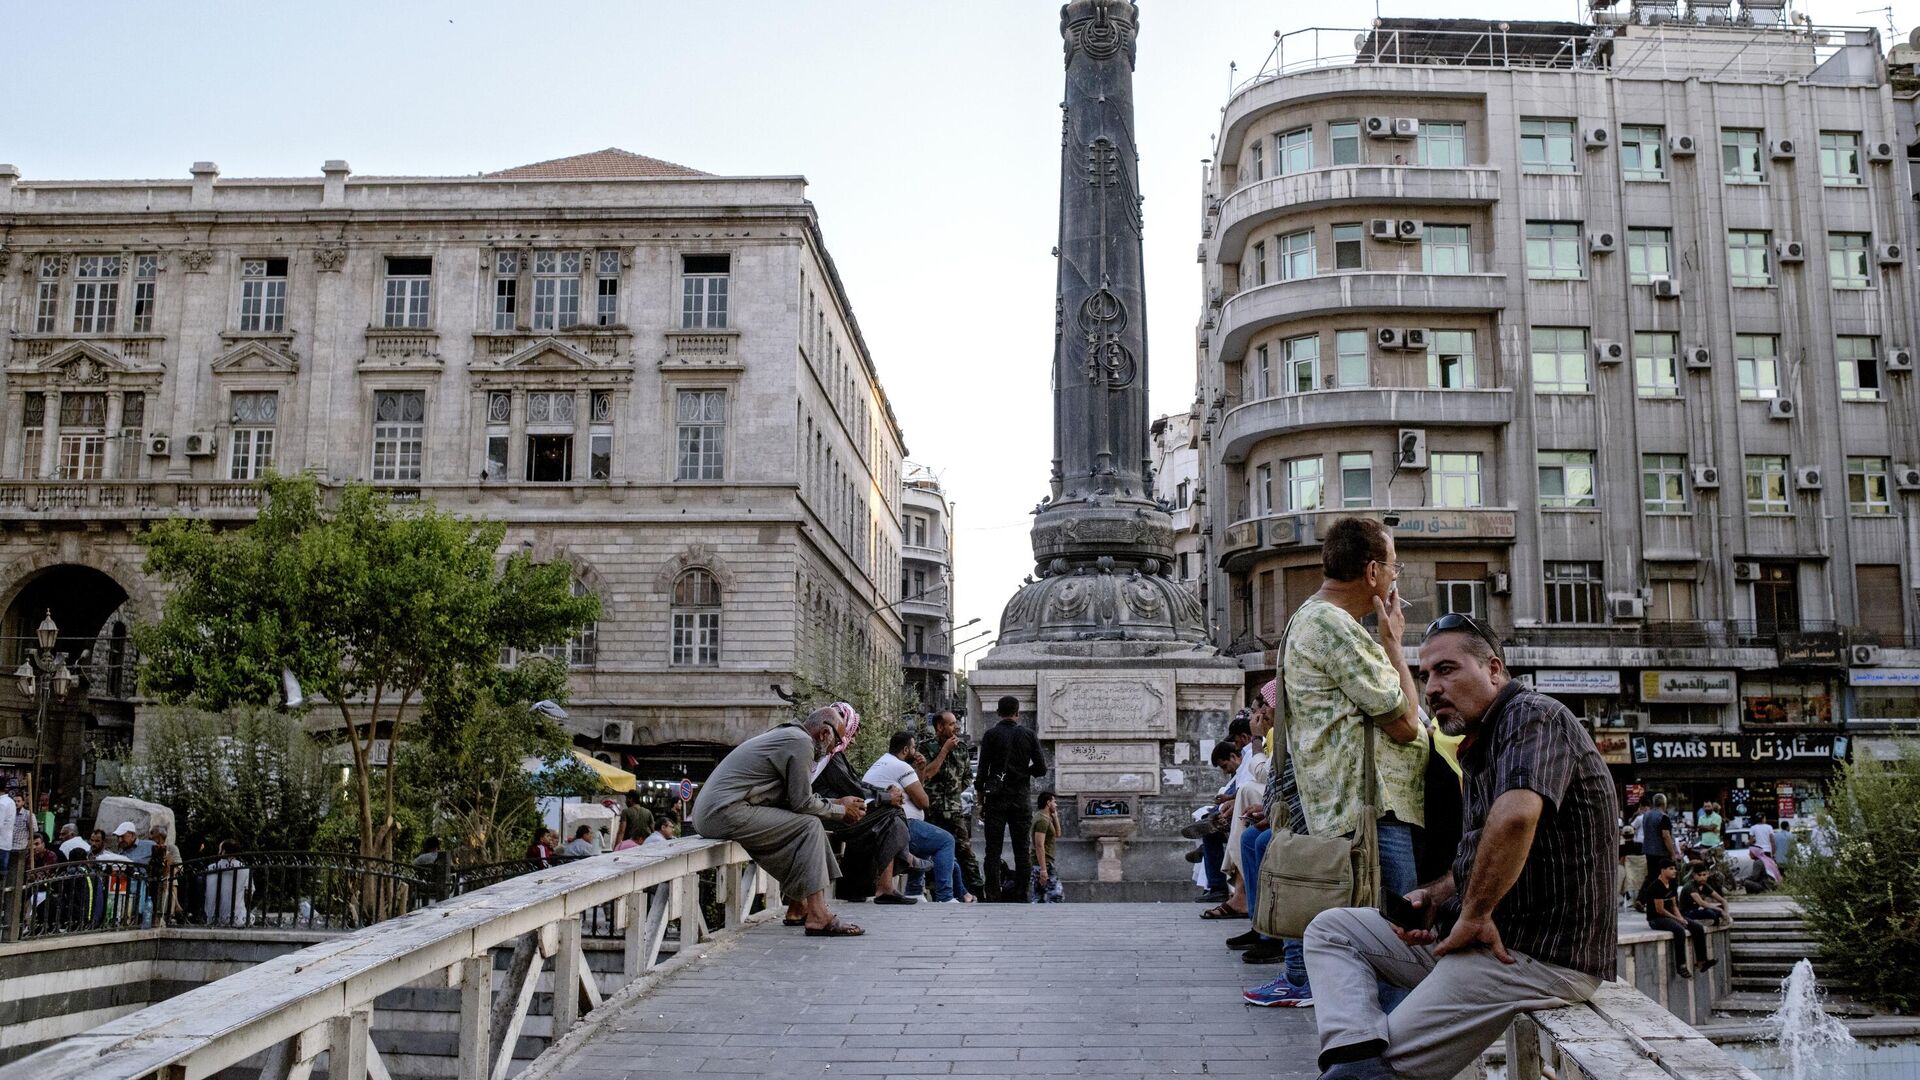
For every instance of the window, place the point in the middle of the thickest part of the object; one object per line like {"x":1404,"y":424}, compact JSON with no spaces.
{"x":1258,"y":275}
{"x":1672,"y":600}
{"x":263,"y":296}
{"x":703,"y":291}
{"x":702,"y":433}
{"x":1303,"y":484}
{"x":1442,"y":143}
{"x":556,"y":289}
{"x":1456,"y":480}
{"x":600,"y":436}
{"x":96,"y":293}
{"x":1356,"y":480}
{"x":1767,"y":484}
{"x":606,"y":310}
{"x":1296,"y":255}
{"x":1757,"y":359}
{"x":1293,"y":152}
{"x":1263,"y":490}
{"x":83,"y":436}
{"x":1859,"y":360}
{"x":1460,"y":587}
{"x":409,"y":291}
{"x":1553,"y":249}
{"x":1663,"y":483}
{"x":1546,"y":146}
{"x":146,"y":274}
{"x":1575,"y":593}
{"x":133,"y":428}
{"x":1740,"y":158}
{"x":583,"y":648}
{"x":399,"y":431}
{"x":550,"y":422}
{"x":1882,"y":601}
{"x":1559,"y":360}
{"x":1450,"y":359}
{"x":1566,"y":479}
{"x":1656,"y":365}
{"x":1847,"y":260}
{"x":46,"y":304}
{"x":1256,"y":163}
{"x":1344,"y":136}
{"x":253,"y":414}
{"x":1350,"y":353}
{"x":696,"y":619}
{"x":1444,"y":249}
{"x":1260,"y":375}
{"x":1643,"y":153}
{"x":1349,"y":241}
{"x":506,"y":289}
{"x":1867,"y":486}
{"x":1750,"y":257}
{"x":1300,"y":358}
{"x":1840,"y":158}
{"x":1649,"y":255}
{"x":33,"y":431}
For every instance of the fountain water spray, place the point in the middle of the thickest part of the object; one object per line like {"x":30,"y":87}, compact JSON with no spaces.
{"x":1808,"y":1039}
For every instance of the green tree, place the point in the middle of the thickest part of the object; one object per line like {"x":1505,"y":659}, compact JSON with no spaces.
{"x":836,"y":665}
{"x":368,"y":603}
{"x":250,"y":774}
{"x":1859,"y":881}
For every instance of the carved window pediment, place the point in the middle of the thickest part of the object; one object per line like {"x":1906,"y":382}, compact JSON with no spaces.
{"x":81,"y":363}
{"x":257,"y":357}
{"x":548,"y":354}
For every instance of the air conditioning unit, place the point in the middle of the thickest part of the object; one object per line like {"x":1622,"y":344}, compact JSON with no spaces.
{"x":1789,"y":250}
{"x":1864,"y":655}
{"x":1407,"y":229}
{"x":1405,"y":127}
{"x":199,"y":444}
{"x":605,"y":758}
{"x":1899,"y":359}
{"x":617,"y":731}
{"x":159,"y":446}
{"x":1602,"y":242}
{"x":1706,"y":477}
{"x":1626,"y":607}
{"x":1698,"y":358}
{"x":1746,"y":571}
{"x":1597,"y":137}
{"x":1880,"y":152}
{"x":1379,"y":127}
{"x":1807,"y":478}
{"x":1906,"y":477}
{"x":1780,"y":408}
{"x":1609,"y":352}
{"x":1384,"y":228}
{"x":1390,"y":337}
{"x":1665,"y":288}
{"x":1680,"y":145}
{"x":1416,"y":339}
{"x":1782,"y":149}
{"x":1890,"y":254}
{"x":1637,"y":719}
{"x":1499,"y":583}
{"x":1413,"y":448}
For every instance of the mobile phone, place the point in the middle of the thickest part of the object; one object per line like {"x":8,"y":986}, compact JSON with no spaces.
{"x":1400,"y":912}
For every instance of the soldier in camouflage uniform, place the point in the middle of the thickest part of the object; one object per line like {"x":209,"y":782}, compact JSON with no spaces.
{"x":947,"y":772}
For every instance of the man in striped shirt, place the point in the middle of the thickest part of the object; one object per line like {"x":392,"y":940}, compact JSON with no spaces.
{"x":1526,"y":918}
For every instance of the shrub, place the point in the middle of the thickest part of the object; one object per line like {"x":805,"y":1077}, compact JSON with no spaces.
{"x":248,"y":774}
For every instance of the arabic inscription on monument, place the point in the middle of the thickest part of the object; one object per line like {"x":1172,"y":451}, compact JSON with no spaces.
{"x":1106,"y":706}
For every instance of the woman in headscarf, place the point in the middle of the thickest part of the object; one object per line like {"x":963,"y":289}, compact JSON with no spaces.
{"x":875,"y":842}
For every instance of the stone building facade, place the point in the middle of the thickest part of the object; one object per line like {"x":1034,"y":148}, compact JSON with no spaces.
{"x":927,"y":588}
{"x":1614,"y":323}
{"x":1177,"y":484}
{"x":648,"y":371}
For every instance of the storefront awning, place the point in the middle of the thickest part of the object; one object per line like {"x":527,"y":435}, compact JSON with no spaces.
{"x":616,"y":778}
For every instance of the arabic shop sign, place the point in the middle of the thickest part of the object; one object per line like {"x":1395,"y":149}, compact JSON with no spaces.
{"x":1883,"y":676}
{"x":1687,"y":687}
{"x":1813,"y":650}
{"x":1576,"y":681}
{"x":1737,"y":749}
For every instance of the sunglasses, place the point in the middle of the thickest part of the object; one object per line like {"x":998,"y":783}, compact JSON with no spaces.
{"x":1457,"y":621}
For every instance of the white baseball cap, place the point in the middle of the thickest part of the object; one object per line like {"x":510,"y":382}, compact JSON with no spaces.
{"x":125,"y":827}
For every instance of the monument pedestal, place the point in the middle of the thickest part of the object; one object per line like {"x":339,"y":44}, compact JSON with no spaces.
{"x":1122,"y":723}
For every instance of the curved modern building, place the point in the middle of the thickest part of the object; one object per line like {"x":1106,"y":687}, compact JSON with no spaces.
{"x":1614,"y":323}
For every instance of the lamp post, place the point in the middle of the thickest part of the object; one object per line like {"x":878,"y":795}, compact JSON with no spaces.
{"x":43,"y":676}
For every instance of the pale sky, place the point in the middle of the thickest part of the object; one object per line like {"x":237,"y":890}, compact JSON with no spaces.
{"x":928,"y":132}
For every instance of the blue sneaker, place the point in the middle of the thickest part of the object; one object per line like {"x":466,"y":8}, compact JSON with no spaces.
{"x":1280,"y":994}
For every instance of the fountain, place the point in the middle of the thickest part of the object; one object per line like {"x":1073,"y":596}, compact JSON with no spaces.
{"x":1807,"y":1040}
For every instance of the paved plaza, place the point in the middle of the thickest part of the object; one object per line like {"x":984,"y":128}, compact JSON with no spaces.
{"x":1111,"y":990}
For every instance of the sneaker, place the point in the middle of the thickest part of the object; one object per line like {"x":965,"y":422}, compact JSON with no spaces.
{"x":1707,"y":964}
{"x":1194,"y":830}
{"x":1211,"y":896}
{"x":1243,"y":942}
{"x":1280,"y":994}
{"x":1265,"y":951}
{"x":1196,"y":855}
{"x":1684,"y":972}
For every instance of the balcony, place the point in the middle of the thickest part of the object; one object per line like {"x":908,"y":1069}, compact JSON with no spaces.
{"x":1380,"y":406}
{"x":601,"y":343}
{"x":1265,"y":200}
{"x":1247,"y":539}
{"x":931,"y":606}
{"x":929,"y":661}
{"x":1280,"y":302}
{"x":924,"y":554}
{"x":705,"y":350}
{"x":123,"y":500}
{"x":137,"y":348}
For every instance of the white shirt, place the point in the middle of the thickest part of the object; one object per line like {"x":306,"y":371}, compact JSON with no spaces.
{"x":1763,"y":837}
{"x":890,"y":771}
{"x":6,"y":822}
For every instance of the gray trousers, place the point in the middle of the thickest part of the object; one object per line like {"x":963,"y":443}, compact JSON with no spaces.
{"x":792,"y":847}
{"x":1459,"y":1005}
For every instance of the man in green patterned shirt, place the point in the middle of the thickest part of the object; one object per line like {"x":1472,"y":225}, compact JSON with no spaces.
{"x":946,"y":774}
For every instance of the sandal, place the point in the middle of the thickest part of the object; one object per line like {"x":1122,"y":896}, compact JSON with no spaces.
{"x":1222,"y":912}
{"x":836,"y":928}
{"x":801,"y":921}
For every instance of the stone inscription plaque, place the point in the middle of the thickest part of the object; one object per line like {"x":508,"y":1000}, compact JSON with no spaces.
{"x":1131,"y":707}
{"x":1107,"y":766}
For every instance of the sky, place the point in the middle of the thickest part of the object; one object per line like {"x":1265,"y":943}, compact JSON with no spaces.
{"x":928,"y":133}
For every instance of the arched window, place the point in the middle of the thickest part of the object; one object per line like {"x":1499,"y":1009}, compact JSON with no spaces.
{"x":583,"y":649}
{"x":696,"y":619}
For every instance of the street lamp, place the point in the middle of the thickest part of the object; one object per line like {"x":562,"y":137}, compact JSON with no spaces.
{"x":43,"y":676}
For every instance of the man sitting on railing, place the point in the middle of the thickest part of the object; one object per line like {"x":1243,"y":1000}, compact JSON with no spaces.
{"x":1527,"y":917}
{"x":761,"y":796}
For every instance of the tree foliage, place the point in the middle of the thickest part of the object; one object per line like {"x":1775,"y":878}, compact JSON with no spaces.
{"x":369,"y":603}
{"x":250,"y":775}
{"x":837,"y":666}
{"x":1860,"y":881}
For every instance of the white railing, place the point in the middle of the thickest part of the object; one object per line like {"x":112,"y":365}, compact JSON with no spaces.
{"x":1619,"y":1035}
{"x":293,"y":1008}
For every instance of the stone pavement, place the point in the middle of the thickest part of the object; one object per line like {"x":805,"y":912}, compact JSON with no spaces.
{"x":1110,"y":990}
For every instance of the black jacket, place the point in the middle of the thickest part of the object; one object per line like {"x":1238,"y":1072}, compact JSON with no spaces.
{"x":1009,"y":757}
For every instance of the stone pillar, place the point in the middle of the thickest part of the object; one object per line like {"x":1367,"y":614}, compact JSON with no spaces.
{"x":50,"y":439}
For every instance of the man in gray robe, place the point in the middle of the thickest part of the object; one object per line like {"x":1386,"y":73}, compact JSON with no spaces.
{"x":761,"y":796}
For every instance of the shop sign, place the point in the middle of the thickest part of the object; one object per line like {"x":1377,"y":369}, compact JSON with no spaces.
{"x":1883,"y":676}
{"x":1574,"y":681}
{"x":1687,"y":687}
{"x":17,"y":749}
{"x":1738,"y":749}
{"x":1813,"y":650}
{"x":1614,"y":749}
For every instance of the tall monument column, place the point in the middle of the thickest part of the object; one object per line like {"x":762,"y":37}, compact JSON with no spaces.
{"x":1108,"y":654}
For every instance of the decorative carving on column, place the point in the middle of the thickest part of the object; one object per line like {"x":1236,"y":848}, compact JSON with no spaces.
{"x":196,"y":260}
{"x":329,"y":257}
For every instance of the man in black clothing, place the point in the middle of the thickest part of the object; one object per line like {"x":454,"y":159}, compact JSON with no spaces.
{"x":1663,"y":913}
{"x":1656,"y":838}
{"x":1009,"y":760}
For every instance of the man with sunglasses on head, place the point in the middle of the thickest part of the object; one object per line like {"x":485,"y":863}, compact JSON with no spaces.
{"x":1526,"y":917}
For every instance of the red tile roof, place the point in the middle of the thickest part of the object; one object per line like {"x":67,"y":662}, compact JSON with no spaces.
{"x":611,"y":163}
